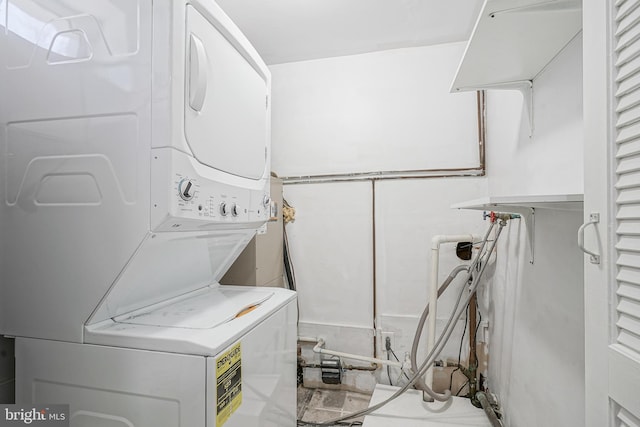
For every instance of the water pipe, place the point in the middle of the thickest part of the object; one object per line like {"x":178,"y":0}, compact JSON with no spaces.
{"x":318,"y":349}
{"x":372,"y":367}
{"x":436,"y":241}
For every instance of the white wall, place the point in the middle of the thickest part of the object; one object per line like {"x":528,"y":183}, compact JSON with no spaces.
{"x":536,"y":362}
{"x":536,"y":312}
{"x":382,"y":111}
{"x":408,"y":215}
{"x":550,"y":161}
{"x":331,"y":249}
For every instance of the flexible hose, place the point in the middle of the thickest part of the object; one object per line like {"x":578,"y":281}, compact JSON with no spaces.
{"x":439,"y":345}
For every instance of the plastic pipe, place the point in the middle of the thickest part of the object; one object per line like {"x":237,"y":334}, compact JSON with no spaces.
{"x":420,"y":384}
{"x":436,"y":241}
{"x":318,"y":349}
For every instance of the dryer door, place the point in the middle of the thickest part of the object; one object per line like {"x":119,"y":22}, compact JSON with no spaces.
{"x":226,"y":111}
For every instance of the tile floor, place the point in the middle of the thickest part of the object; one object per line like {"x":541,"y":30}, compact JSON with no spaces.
{"x":317,"y":405}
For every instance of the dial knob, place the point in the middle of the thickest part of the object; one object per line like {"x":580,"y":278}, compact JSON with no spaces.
{"x":235,"y":209}
{"x":266,"y":201}
{"x":224,"y":209}
{"x":186,"y":189}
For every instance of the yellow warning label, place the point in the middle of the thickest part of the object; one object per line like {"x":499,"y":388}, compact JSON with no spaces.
{"x":228,"y":383}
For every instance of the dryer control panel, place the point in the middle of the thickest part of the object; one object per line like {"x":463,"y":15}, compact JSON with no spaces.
{"x":200,"y":197}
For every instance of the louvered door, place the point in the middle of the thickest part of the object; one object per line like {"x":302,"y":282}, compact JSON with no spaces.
{"x":611,"y":75}
{"x":624,"y":351}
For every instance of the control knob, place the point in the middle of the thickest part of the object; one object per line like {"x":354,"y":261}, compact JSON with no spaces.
{"x":235,"y":209}
{"x":224,"y":209}
{"x":186,"y":189}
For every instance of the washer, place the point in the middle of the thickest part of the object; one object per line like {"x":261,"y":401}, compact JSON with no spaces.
{"x":135,"y":143}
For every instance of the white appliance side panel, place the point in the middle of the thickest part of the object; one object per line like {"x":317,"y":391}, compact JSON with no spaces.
{"x":268,"y":377}
{"x":75,"y":79}
{"x":226,"y":104}
{"x":112,"y":387}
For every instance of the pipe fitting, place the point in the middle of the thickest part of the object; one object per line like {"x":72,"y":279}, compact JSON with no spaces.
{"x":436,"y":241}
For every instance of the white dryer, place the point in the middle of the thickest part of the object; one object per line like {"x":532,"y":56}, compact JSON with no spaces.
{"x":135,"y":152}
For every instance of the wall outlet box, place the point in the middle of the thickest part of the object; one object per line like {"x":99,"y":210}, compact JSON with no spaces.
{"x":384,"y":336}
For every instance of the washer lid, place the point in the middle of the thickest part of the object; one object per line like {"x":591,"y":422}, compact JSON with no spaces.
{"x":169,"y":265}
{"x":200,"y":310}
{"x":226,"y":104}
{"x":184,"y":331}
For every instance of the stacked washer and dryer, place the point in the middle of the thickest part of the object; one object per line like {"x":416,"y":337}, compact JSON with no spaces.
{"x":135,"y":163}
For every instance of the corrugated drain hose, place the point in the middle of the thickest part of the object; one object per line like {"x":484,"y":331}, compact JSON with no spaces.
{"x":420,"y":384}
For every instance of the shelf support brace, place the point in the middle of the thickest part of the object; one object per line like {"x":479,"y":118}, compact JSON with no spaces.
{"x":528,"y":214}
{"x":525,"y":87}
{"x":530,"y":223}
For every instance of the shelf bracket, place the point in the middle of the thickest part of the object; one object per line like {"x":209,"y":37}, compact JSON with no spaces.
{"x":530,"y":223}
{"x":525,"y":87}
{"x":529,"y":216}
{"x":526,"y":206}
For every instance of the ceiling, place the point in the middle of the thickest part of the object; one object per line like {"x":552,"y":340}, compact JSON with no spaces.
{"x":298,"y":30}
